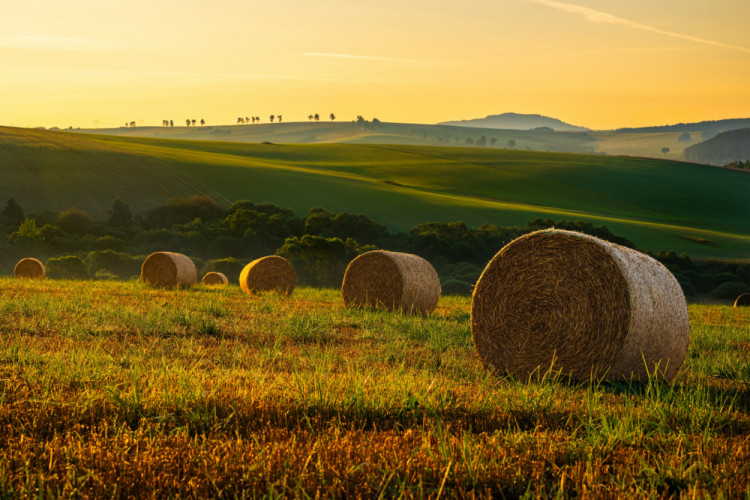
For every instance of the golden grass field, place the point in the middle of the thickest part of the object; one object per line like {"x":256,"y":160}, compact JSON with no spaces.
{"x":111,"y":389}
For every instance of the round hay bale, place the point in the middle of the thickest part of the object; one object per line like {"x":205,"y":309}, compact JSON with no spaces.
{"x":168,"y":270}
{"x":29,"y":268}
{"x":215,"y":278}
{"x":742,"y":300}
{"x":267,"y":274}
{"x":572,"y":302}
{"x":391,"y":280}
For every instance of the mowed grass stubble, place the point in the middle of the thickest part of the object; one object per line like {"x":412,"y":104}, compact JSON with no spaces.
{"x":114,"y":389}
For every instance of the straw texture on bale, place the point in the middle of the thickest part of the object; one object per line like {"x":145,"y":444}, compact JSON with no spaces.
{"x":215,"y":278}
{"x":168,"y":270}
{"x":572,"y":302}
{"x":268,"y":274}
{"x":742,"y":300}
{"x":392,"y":281}
{"x":29,"y":268}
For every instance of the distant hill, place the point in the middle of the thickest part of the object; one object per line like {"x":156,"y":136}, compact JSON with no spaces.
{"x":726,"y":147}
{"x":708,"y":128}
{"x":657,"y":204}
{"x":516,"y":121}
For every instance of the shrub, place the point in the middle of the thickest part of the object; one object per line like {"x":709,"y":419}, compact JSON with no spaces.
{"x":230,"y":267}
{"x":453,"y":286}
{"x":730,"y":290}
{"x":119,"y":264}
{"x":69,"y":267}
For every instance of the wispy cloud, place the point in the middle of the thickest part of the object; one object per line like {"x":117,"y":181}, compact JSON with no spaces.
{"x":596,"y":16}
{"x":360,"y":57}
{"x":46,"y":42}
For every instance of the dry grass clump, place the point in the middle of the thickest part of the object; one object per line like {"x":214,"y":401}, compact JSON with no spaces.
{"x":579,"y":304}
{"x":29,"y":268}
{"x":215,"y":278}
{"x":742,"y":300}
{"x":270,"y":273}
{"x":391,"y":280}
{"x":168,"y":270}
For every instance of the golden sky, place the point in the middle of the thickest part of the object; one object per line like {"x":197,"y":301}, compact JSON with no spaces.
{"x":595,"y":63}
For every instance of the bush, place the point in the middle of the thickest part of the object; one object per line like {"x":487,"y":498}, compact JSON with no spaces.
{"x":68,"y":267}
{"x":453,"y":286}
{"x":230,"y":266}
{"x":120,"y":264}
{"x":687,"y":286}
{"x":730,"y":290}
{"x":320,"y":261}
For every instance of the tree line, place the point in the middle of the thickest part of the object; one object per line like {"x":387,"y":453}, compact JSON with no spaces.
{"x":319,"y":245}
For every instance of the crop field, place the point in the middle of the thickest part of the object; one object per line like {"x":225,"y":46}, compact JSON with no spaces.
{"x":659,"y":205}
{"x":648,"y":145}
{"x":111,"y":389}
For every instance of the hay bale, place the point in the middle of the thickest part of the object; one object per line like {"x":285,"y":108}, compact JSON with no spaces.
{"x":391,"y":280}
{"x":168,"y":270}
{"x":29,"y":268}
{"x":742,"y":300}
{"x":596,"y":308}
{"x":267,"y":274}
{"x":215,"y":278}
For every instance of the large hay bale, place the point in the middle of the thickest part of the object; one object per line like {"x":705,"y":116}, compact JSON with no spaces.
{"x":742,"y":300}
{"x":215,"y":278}
{"x":29,"y":268}
{"x":391,"y":280}
{"x":168,"y":270}
{"x":270,"y":273}
{"x":597,"y":309}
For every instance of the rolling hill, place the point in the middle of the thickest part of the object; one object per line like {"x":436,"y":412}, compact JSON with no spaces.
{"x":657,"y":204}
{"x":733,"y":145}
{"x":516,"y":121}
{"x":664,"y":144}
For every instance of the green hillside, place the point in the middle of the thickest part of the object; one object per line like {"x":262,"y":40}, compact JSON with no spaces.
{"x":657,"y":204}
{"x":648,"y":144}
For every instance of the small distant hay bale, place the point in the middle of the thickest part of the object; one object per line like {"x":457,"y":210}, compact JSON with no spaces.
{"x":391,"y":281}
{"x":168,"y":270}
{"x":268,"y":274}
{"x":742,"y":300}
{"x":575,"y":303}
{"x":215,"y":278}
{"x":29,"y":268}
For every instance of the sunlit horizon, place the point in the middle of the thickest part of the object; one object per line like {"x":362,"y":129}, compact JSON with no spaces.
{"x":599,"y":64}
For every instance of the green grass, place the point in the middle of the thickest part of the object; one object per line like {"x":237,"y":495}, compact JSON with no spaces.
{"x":657,"y":204}
{"x":112,"y":389}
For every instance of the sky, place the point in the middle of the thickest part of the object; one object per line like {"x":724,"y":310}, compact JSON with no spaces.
{"x":601,"y":64}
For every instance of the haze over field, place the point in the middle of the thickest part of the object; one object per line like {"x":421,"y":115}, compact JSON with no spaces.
{"x":598,"y":64}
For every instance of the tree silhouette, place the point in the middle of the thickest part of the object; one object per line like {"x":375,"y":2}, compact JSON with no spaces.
{"x":257,"y":118}
{"x":120,"y":214}
{"x":12,"y":215}
{"x":193,"y":120}
{"x":240,"y":120}
{"x":171,"y":123}
{"x":333,"y":117}
{"x":253,"y":119}
{"x":310,"y":117}
{"x":203,"y":122}
{"x":279,"y":118}
{"x":132,"y":124}
{"x":511,"y":144}
{"x":272,"y":118}
{"x":317,"y":117}
{"x":247,"y":120}
{"x":187,"y":122}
